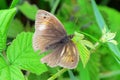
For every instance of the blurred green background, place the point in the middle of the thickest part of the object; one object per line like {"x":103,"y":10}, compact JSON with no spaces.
{"x":76,"y":15}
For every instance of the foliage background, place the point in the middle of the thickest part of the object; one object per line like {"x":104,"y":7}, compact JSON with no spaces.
{"x":18,"y":61}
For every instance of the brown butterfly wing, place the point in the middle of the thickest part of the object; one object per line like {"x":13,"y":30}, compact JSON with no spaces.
{"x":65,"y":56}
{"x":69,"y":58}
{"x":48,"y":30}
{"x":53,"y":58}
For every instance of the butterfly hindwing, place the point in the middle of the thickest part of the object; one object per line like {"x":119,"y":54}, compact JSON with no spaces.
{"x":52,"y":59}
{"x":64,"y":55}
{"x":69,"y":58}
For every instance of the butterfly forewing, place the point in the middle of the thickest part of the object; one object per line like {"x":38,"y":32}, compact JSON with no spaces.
{"x":44,"y":17}
{"x":48,"y":30}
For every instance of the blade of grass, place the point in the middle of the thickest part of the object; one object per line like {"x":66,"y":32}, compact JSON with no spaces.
{"x":102,"y":25}
{"x":72,"y":77}
{"x":55,"y":6}
{"x":98,"y":16}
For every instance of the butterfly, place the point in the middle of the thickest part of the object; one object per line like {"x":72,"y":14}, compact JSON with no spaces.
{"x":50,"y":35}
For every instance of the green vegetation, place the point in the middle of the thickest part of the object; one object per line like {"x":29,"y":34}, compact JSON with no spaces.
{"x":97,"y":36}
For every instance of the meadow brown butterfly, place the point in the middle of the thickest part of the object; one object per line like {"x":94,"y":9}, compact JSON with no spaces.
{"x":51,"y":35}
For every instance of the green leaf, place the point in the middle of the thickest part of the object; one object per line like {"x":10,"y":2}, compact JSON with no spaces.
{"x":102,"y":26}
{"x":84,"y":53}
{"x":82,"y":50}
{"x":9,"y":72}
{"x":16,"y":73}
{"x":28,"y":10}
{"x":2,"y":63}
{"x":88,"y":44}
{"x":14,"y":3}
{"x":21,"y":53}
{"x":15,"y":28}
{"x":5,"y":18}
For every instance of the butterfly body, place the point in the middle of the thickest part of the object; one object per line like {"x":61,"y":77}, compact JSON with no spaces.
{"x":63,"y":41}
{"x":51,"y":35}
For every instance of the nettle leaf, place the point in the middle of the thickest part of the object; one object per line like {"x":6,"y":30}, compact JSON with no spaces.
{"x":82,"y":49}
{"x":5,"y":18}
{"x":2,"y":63}
{"x":28,"y":10}
{"x":21,"y":53}
{"x":9,"y":72}
{"x":88,"y":44}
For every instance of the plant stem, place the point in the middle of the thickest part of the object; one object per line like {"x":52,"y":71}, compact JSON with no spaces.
{"x":55,"y":6}
{"x":96,"y":44}
{"x":58,"y":74}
